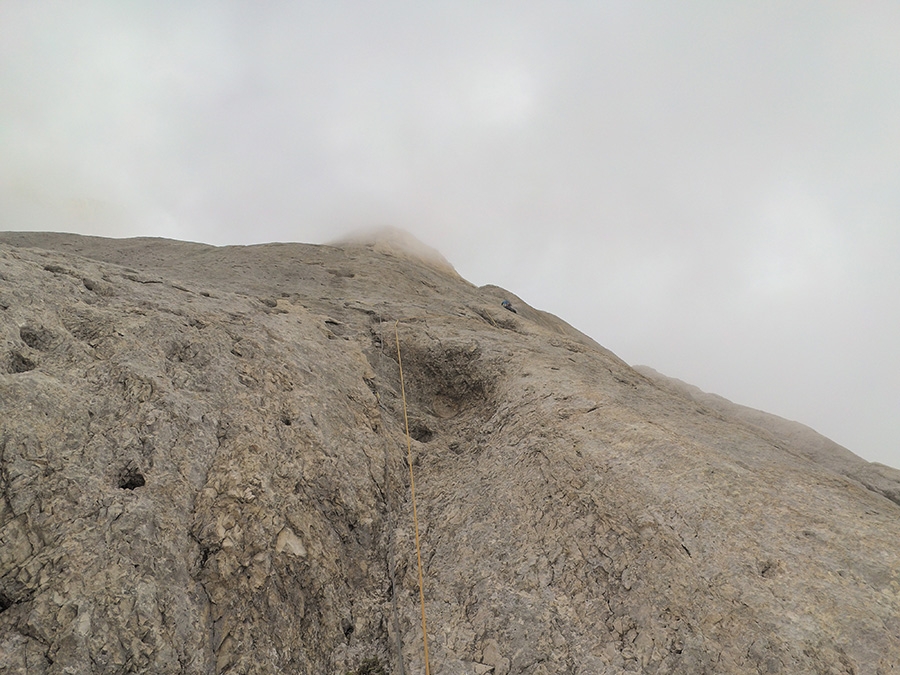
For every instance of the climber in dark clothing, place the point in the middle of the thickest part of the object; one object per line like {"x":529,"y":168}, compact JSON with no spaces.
{"x":506,"y":305}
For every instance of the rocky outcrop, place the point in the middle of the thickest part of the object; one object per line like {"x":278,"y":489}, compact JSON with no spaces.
{"x":203,"y":470}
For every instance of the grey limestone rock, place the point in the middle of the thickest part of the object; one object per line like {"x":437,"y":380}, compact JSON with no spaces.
{"x":203,"y":470}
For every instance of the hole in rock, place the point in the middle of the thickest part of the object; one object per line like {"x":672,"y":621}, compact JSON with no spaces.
{"x":420,"y":431}
{"x":768,"y":568}
{"x":19,"y":363}
{"x":285,"y":420}
{"x":5,"y":603}
{"x":204,"y":555}
{"x":131,"y":479}
{"x":36,"y":338}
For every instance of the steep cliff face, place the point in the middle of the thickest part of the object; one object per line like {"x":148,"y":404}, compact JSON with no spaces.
{"x":203,"y":470}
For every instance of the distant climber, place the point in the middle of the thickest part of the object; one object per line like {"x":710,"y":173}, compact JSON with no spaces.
{"x":507,"y":305}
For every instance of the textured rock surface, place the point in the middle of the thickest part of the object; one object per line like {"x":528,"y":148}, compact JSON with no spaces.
{"x":202,"y":463}
{"x":793,"y":436}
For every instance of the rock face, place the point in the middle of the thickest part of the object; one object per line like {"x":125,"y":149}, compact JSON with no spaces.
{"x":798,"y":437}
{"x":203,"y":470}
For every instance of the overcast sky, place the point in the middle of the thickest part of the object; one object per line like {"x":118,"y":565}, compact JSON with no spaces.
{"x":708,"y":188}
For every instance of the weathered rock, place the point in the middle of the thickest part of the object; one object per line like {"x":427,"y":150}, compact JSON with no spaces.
{"x":203,"y":470}
{"x":792,"y":436}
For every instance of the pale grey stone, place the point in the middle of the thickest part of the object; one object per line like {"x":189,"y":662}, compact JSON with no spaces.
{"x":203,"y":468}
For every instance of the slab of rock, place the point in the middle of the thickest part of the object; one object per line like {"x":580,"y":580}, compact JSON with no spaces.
{"x":203,"y":470}
{"x":792,"y":436}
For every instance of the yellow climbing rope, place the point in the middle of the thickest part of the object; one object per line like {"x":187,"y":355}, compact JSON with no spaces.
{"x":412,"y":487}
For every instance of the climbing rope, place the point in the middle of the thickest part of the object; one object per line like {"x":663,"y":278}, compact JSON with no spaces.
{"x":412,"y":488}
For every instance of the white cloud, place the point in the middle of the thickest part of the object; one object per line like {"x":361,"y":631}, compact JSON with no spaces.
{"x":796,"y":247}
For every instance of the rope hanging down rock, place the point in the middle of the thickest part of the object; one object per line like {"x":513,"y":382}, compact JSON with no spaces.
{"x":412,"y":487}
